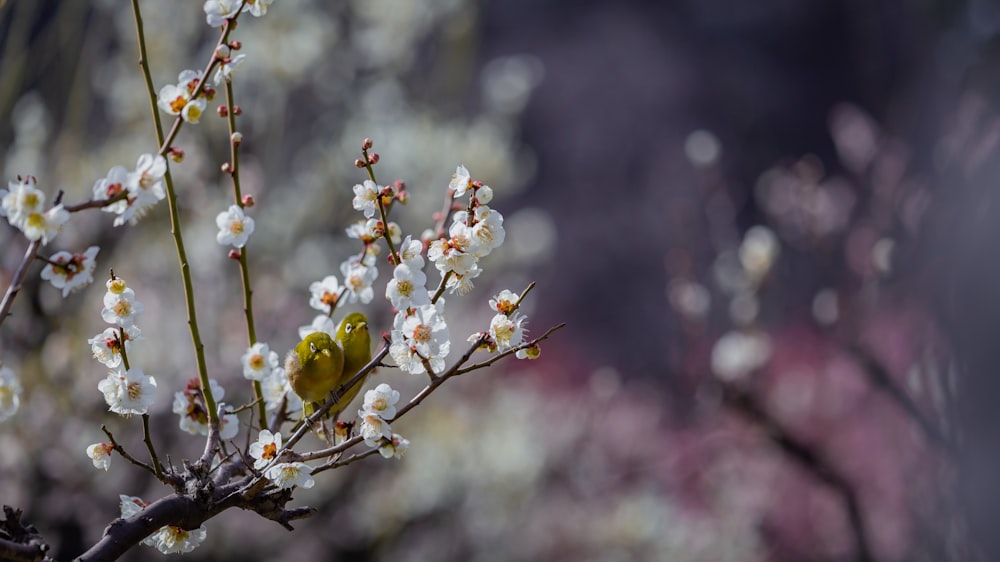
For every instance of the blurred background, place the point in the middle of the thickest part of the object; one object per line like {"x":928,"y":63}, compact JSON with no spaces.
{"x":768,"y":225}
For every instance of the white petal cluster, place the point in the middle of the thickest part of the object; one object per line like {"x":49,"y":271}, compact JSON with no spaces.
{"x":70,"y":272}
{"x":323,"y":295}
{"x":381,"y":400}
{"x":226,"y":69}
{"x":366,"y":198}
{"x":258,"y":362}
{"x":106,"y":346}
{"x":23,"y":204}
{"x":321,"y":323}
{"x":144,"y":187}
{"x":395,"y":447}
{"x":189,"y":405}
{"x":420,"y":333}
{"x":120,"y":305}
{"x":171,"y":539}
{"x":460,"y":181}
{"x":358,"y":278}
{"x":265,"y":449}
{"x":290,"y":474}
{"x":10,"y":393}
{"x":218,"y":11}
{"x":276,"y":389}
{"x":179,"y":98}
{"x":128,"y":392}
{"x":100,"y":455}
{"x":235,"y":227}
{"x":507,"y":331}
{"x":257,"y":8}
{"x":373,"y":428}
{"x":407,"y":288}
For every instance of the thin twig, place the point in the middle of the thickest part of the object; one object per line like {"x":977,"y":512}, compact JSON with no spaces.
{"x":121,"y":451}
{"x":18,"y":280}
{"x":149,"y":446}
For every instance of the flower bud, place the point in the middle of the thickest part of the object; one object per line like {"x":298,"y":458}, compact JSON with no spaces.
{"x":116,"y":285}
{"x":237,"y":110}
{"x":234,"y":254}
{"x":484,"y":195}
{"x":236,"y":137}
{"x":227,"y":168}
{"x":248,"y":200}
{"x":223,"y":111}
{"x":366,"y":144}
{"x":222,"y":52}
{"x":403,"y":197}
{"x":208,"y":92}
{"x":359,"y":163}
{"x":235,"y":45}
{"x":176,"y":154}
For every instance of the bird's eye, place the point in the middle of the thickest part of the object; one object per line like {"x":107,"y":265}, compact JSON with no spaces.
{"x":312,"y":347}
{"x":348,"y":328}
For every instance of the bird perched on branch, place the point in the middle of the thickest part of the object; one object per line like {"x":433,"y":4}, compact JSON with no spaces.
{"x":319,"y":365}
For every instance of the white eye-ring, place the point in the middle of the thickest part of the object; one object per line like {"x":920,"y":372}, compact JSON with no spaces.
{"x":348,"y":328}
{"x":312,"y":347}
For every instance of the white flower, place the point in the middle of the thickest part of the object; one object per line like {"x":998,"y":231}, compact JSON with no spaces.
{"x":258,"y":362}
{"x":121,"y":309}
{"x":265,"y":449}
{"x":530,"y":352}
{"x":321,"y":323}
{"x":484,"y":195}
{"x":460,"y":181}
{"x":394,"y":232}
{"x":381,"y":400}
{"x":111,"y":186}
{"x":226,"y":69}
{"x":358,"y":278}
{"x":420,"y":333}
{"x":410,"y":253}
{"x":276,"y":388}
{"x":106,"y":347}
{"x":217,"y":11}
{"x":366,"y":198}
{"x":70,"y":272}
{"x":360,"y":231}
{"x":171,"y":539}
{"x":324,"y":294}
{"x":507,"y":331}
{"x":373,"y":428}
{"x":10,"y":393}
{"x":194,"y":109}
{"x":45,"y":225}
{"x":487,"y":232}
{"x":257,"y":8}
{"x":446,"y":256}
{"x":504,"y":301}
{"x":189,"y":404}
{"x":737,"y":354}
{"x":235,"y":228}
{"x":100,"y":455}
{"x":229,"y":424}
{"x":397,"y":447}
{"x":145,"y":188}
{"x":129,"y":392}
{"x":461,"y":283}
{"x":20,"y":200}
{"x":130,"y":505}
{"x":172,"y":99}
{"x":289,"y":474}
{"x":407,"y":288}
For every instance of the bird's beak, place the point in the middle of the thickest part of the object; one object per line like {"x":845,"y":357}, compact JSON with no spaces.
{"x":326,"y":352}
{"x":363,"y":325}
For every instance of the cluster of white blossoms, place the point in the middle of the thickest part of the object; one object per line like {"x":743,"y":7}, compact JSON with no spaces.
{"x":126,"y":390}
{"x":218,"y":11}
{"x":24,"y":206}
{"x":379,"y":407}
{"x":359,"y":276}
{"x":420,"y":339}
{"x":261,"y":364}
{"x":189,"y":404}
{"x":180,"y":99}
{"x":168,"y":539}
{"x":473,"y":234}
{"x":265,"y":452}
{"x":69,"y":272}
{"x":10,"y":392}
{"x":143,"y":188}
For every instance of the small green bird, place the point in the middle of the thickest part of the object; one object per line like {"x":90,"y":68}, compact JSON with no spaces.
{"x":319,"y":365}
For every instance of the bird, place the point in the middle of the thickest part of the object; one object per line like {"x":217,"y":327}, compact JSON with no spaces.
{"x":319,"y":365}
